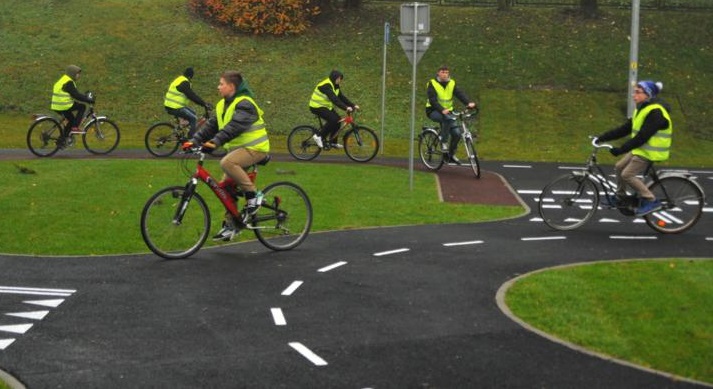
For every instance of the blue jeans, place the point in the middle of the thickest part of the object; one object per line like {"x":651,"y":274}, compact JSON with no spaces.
{"x":448,"y":127}
{"x":188,"y":114}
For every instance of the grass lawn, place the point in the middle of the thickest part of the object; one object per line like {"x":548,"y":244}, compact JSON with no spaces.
{"x":654,"y":313}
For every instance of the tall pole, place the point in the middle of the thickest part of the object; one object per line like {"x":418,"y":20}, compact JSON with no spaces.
{"x":383,"y":85}
{"x":633,"y":56}
{"x":413,"y":93}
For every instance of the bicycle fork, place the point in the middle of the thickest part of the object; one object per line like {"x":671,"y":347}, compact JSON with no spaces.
{"x":186,"y":197}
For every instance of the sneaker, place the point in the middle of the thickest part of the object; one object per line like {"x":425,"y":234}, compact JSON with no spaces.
{"x":336,"y":145}
{"x":318,"y":140}
{"x":444,"y":147}
{"x":252,"y":206}
{"x":226,"y":233}
{"x":648,"y":206}
{"x":76,"y":130}
{"x":613,"y":200}
{"x":454,"y":159}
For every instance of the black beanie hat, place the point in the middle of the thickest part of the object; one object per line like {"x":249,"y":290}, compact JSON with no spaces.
{"x":188,"y":72}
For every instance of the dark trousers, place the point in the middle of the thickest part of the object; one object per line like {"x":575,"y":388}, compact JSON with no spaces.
{"x":188,"y":114}
{"x":331,"y":119}
{"x":74,"y":116}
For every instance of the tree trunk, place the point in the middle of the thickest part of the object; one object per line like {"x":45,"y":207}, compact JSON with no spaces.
{"x":589,"y":8}
{"x":504,"y":5}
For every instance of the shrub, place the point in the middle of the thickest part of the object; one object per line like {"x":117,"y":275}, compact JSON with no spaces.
{"x":276,"y":17}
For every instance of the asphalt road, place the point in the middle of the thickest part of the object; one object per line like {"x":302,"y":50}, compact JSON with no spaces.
{"x":406,"y":307}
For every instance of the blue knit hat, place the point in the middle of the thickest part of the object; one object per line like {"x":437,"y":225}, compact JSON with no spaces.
{"x":650,"y":88}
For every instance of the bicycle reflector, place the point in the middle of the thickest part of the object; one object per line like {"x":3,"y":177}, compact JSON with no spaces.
{"x":349,"y":119}
{"x":661,"y":223}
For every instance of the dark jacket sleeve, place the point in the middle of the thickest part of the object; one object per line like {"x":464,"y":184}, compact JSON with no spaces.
{"x":72,"y":90}
{"x":327,"y":90}
{"x":619,"y":132}
{"x":185,"y":88}
{"x":461,"y":95}
{"x":654,"y":121}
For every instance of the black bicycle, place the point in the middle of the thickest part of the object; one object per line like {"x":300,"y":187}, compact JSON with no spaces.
{"x":360,"y":142}
{"x":99,"y":134}
{"x":163,"y":139}
{"x":433,"y":151}
{"x":571,"y":200}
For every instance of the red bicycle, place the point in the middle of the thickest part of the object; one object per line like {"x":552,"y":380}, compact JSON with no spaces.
{"x":175,"y":221}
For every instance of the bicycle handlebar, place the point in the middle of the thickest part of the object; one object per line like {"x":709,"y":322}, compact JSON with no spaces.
{"x":465,"y":114}
{"x":598,"y":145}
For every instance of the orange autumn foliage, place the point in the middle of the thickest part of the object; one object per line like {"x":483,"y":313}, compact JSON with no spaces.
{"x":276,"y":17}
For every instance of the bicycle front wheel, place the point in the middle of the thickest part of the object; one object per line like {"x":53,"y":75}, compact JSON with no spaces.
{"x":682,"y":201}
{"x":361,"y":144}
{"x":568,"y":202}
{"x":472,"y":156}
{"x":175,"y":223}
{"x":285,"y":217}
{"x":43,"y":135}
{"x":161,"y":139}
{"x":101,"y":136}
{"x":301,"y":145}
{"x":429,"y":148}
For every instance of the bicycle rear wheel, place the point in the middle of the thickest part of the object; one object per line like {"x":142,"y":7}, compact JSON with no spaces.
{"x":472,"y":156}
{"x":568,"y":202}
{"x":175,"y":222}
{"x":285,"y":217}
{"x":361,"y":144}
{"x":161,"y":139}
{"x":429,"y":148}
{"x":301,"y":145}
{"x":682,"y":201}
{"x":101,"y":136}
{"x":43,"y":135}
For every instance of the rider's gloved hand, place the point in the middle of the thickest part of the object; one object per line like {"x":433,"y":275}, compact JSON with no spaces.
{"x":208,"y":107}
{"x":349,"y":109}
{"x":471,"y":105}
{"x":187,"y":145}
{"x":615,"y":151}
{"x":208,"y":147}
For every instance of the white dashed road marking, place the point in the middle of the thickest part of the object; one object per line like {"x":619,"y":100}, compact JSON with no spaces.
{"x":463,"y":243}
{"x":292,"y":288}
{"x":632,"y":237}
{"x":307,"y":353}
{"x":543,"y":238}
{"x":390,"y":252}
{"x":331,"y":267}
{"x":278,"y":317}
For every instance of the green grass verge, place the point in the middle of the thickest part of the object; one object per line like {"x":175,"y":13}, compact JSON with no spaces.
{"x":92,"y":207}
{"x":655,"y":313}
{"x":545,"y":78}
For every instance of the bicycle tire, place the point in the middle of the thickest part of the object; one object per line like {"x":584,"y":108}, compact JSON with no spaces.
{"x":43,"y":137}
{"x":169,"y":239}
{"x":361,"y":144}
{"x":161,"y":139}
{"x":301,"y":145}
{"x":472,"y":155}
{"x":429,"y":149}
{"x":568,"y":202}
{"x":285,"y":218}
{"x":682,"y":201}
{"x":101,"y":136}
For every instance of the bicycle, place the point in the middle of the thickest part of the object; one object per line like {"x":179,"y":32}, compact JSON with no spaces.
{"x":360,"y":142}
{"x":571,"y":200}
{"x":432,"y":151}
{"x":163,"y":139}
{"x":45,"y":135}
{"x":176,"y":220}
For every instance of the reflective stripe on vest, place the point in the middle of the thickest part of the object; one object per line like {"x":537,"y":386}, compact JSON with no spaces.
{"x":61,"y":100}
{"x":658,"y":147}
{"x":319,"y":99}
{"x":255,"y":138}
{"x":174,"y":98}
{"x":444,"y":95}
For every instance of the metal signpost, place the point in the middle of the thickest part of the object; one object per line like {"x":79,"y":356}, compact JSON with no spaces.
{"x":415,"y":20}
{"x":633,"y":56}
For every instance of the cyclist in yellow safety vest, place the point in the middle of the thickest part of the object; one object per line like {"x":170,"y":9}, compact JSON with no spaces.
{"x":325,"y":96}
{"x":440,"y":91}
{"x":650,"y":131}
{"x":178,"y":95}
{"x":238,"y":125}
{"x":67,"y":101}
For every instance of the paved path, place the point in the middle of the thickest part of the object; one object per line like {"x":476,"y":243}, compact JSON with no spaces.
{"x":407,"y":307}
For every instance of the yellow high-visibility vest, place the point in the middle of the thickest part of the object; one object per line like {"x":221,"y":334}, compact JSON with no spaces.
{"x":174,"y":98}
{"x":254,"y":138}
{"x":319,"y":99}
{"x":658,"y":147}
{"x":445,"y":95}
{"x":61,"y":100}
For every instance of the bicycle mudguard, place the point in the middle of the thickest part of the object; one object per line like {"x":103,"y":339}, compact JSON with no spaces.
{"x":38,"y":116}
{"x":675,"y":173}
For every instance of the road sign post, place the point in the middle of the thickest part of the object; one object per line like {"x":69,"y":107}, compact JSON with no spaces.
{"x":415,"y":20}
